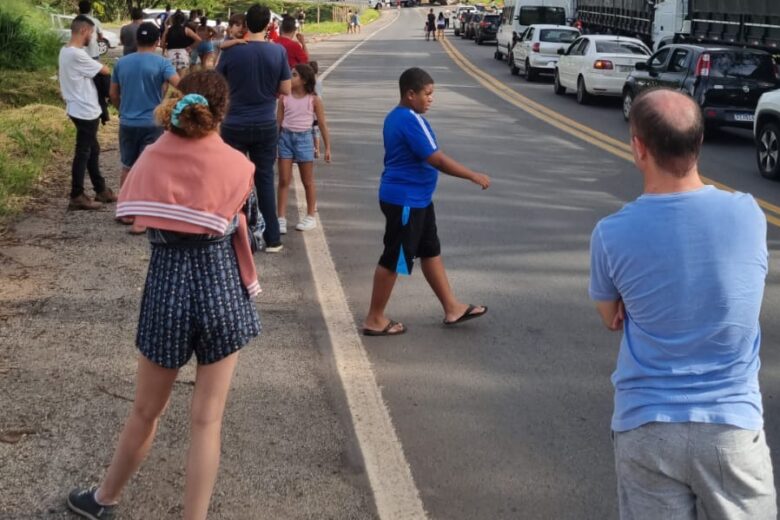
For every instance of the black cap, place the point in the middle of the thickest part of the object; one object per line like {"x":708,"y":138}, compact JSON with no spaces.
{"x":147,"y":35}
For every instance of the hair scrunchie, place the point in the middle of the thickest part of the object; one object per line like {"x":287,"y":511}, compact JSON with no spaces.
{"x":189,"y":99}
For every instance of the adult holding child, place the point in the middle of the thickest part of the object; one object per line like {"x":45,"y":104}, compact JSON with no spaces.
{"x":77,"y":71}
{"x":257,"y":73}
{"x":188,"y":188}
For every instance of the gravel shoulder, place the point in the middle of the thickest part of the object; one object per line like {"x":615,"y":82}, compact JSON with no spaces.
{"x":70,"y":287}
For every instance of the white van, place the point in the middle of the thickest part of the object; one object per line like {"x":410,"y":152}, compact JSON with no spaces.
{"x":518,"y":15}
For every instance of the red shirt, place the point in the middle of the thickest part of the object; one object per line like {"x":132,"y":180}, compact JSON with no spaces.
{"x":295,"y":53}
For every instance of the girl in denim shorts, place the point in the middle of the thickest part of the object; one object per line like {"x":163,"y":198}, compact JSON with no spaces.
{"x":296,"y":115}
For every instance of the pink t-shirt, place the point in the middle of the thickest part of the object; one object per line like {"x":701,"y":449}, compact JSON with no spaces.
{"x":298,"y":113}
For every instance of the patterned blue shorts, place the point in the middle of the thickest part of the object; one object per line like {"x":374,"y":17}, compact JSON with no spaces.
{"x":194,"y":301}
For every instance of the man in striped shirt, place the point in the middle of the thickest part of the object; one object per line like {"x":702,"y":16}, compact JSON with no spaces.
{"x":412,"y":164}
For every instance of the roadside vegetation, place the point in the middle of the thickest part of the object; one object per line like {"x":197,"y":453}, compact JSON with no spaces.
{"x":366,"y":17}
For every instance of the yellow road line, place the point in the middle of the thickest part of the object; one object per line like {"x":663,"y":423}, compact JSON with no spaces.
{"x":580,"y":131}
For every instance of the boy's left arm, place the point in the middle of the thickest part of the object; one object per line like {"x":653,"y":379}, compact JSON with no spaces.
{"x":450,"y":166}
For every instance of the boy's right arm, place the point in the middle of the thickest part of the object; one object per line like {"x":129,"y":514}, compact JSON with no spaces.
{"x":231,"y":43}
{"x":450,"y":166}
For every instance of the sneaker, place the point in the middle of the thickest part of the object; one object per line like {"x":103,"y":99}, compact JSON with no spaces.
{"x":106,"y":196}
{"x":282,"y":226}
{"x":307,"y":224}
{"x":273,"y":248}
{"x":83,"y":503}
{"x":82,"y":202}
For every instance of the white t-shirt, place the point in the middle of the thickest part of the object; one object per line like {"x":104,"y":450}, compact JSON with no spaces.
{"x":92,"y":49}
{"x":78,"y":90}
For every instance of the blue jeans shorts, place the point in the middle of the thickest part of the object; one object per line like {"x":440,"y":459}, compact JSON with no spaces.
{"x":133,"y":140}
{"x":298,"y":146}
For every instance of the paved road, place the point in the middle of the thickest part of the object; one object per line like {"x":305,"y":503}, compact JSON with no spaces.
{"x":506,"y":417}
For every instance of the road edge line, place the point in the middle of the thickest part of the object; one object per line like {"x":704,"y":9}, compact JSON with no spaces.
{"x":390,"y":477}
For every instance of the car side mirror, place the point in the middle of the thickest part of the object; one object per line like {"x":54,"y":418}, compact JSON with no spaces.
{"x":561,"y":52}
{"x":641,"y":65}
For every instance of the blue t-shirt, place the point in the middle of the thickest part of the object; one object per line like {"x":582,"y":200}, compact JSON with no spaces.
{"x":690,"y":268}
{"x":253,"y":72}
{"x":408,"y":179}
{"x":140,"y":77}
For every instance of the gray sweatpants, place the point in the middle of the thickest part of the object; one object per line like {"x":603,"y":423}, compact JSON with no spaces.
{"x":690,"y":471}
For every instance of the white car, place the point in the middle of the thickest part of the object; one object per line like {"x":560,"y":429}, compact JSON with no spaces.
{"x":766,"y":128}
{"x":61,"y":25}
{"x":598,"y":65}
{"x":457,"y":22}
{"x":537,"y":49}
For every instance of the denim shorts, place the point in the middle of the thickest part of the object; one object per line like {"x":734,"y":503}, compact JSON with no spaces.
{"x":133,"y":140}
{"x":298,"y":146}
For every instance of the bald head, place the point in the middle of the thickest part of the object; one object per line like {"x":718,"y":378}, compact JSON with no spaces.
{"x":671,"y":126}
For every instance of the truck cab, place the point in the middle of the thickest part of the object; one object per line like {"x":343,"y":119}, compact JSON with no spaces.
{"x":519,"y":15}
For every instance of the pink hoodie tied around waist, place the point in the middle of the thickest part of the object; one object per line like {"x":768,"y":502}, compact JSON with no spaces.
{"x":193,"y":186}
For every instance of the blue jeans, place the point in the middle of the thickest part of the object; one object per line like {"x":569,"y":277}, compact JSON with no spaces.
{"x":259,"y":142}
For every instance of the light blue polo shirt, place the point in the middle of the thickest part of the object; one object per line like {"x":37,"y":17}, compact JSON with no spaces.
{"x":690,"y":268}
{"x":140,"y":77}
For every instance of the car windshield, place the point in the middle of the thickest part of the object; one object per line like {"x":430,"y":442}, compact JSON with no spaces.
{"x":747,"y":65}
{"x":531,"y":15}
{"x":558,"y":35}
{"x":621,"y":47}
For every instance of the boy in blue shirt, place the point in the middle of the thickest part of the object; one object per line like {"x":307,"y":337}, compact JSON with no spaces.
{"x":412,"y":164}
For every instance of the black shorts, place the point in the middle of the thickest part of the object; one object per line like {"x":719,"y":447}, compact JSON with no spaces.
{"x":409,"y":233}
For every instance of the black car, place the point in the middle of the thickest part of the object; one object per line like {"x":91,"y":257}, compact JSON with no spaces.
{"x":725,"y":81}
{"x":468,"y":24}
{"x":487,"y":28}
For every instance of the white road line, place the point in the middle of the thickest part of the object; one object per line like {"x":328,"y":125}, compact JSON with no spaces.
{"x":390,"y":477}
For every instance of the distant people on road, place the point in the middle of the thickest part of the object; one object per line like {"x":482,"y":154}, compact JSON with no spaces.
{"x":296,"y":114}
{"x":430,"y":26}
{"x":350,"y":26}
{"x":137,"y":86}
{"x":77,"y":71}
{"x":681,"y":272}
{"x":128,"y":32}
{"x":293,"y":42}
{"x":200,"y":265}
{"x":93,"y":49}
{"x":447,"y":16}
{"x":440,"y":23}
{"x":205,"y":49}
{"x":355,"y":21}
{"x":301,"y":18}
{"x":251,"y":125}
{"x":412,"y":164}
{"x":177,"y":41}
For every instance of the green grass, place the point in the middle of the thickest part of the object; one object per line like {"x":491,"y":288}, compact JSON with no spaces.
{"x":22,"y":87}
{"x":32,"y":140}
{"x":26,"y":41}
{"x":366,"y":17}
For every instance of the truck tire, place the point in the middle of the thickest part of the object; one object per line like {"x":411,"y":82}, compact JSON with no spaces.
{"x":583,"y":98}
{"x":768,"y":151}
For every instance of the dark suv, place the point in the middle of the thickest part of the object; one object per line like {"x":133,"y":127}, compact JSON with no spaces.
{"x":487,"y":28}
{"x":725,"y":81}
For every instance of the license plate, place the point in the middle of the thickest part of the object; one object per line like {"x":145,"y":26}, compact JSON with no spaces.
{"x":624,"y":68}
{"x":748,"y":118}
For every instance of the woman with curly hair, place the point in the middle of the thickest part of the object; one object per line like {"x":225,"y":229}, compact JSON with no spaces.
{"x":188,"y":189}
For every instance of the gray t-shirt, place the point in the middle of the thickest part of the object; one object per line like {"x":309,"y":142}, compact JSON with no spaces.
{"x":127,"y":37}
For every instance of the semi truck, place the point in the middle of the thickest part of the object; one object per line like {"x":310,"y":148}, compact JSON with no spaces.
{"x":750,"y":23}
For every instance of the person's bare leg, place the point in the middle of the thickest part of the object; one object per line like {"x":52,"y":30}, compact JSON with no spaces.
{"x":285,"y":176}
{"x":384,"y":281}
{"x":436,"y":276}
{"x":307,"y":178}
{"x":212,"y":384}
{"x":152,"y":392}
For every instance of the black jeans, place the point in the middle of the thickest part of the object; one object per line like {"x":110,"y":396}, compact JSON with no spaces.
{"x":87,"y":157}
{"x":259,"y":141}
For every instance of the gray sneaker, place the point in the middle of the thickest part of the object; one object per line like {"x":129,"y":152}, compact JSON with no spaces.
{"x":83,"y":503}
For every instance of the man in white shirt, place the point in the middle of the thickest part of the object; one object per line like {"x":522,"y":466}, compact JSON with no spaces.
{"x":76,"y":72}
{"x":85,"y":8}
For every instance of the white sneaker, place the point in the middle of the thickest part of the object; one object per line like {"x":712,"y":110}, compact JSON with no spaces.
{"x":307,"y":223}
{"x":282,"y":226}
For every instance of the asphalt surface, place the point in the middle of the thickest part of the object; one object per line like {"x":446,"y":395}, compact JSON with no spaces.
{"x":507,"y":416}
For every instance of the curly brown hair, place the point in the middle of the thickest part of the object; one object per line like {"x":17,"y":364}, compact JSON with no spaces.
{"x":196,"y":121}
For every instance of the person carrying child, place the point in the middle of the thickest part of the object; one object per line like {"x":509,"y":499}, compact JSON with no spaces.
{"x":412,"y":164}
{"x":430,"y":26}
{"x":296,"y":115}
{"x":188,"y":189}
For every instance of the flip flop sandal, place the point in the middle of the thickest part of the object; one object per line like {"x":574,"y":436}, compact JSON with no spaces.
{"x":137,"y":231}
{"x":468,"y":315}
{"x":125,"y":221}
{"x":386,"y":330}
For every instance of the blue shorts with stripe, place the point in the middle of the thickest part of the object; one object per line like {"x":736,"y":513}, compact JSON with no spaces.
{"x":409,"y":233}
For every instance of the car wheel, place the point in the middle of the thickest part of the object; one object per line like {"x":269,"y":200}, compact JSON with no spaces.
{"x":768,"y":151}
{"x":457,"y":32}
{"x":529,"y":72}
{"x":478,"y":40}
{"x":513,"y":69}
{"x":583,"y":98}
{"x":628,"y":101}
{"x":557,"y":87}
{"x":102,"y":47}
{"x":497,"y":55}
